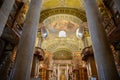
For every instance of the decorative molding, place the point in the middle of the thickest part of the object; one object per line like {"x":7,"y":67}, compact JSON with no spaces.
{"x":63,"y":10}
{"x":67,"y":43}
{"x":62,"y":55}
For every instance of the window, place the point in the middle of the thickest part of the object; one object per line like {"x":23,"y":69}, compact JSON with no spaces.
{"x":79,"y":32}
{"x":62,"y":34}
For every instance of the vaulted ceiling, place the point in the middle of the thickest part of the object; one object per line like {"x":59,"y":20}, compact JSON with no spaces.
{"x":62,"y":15}
{"x":67,"y":16}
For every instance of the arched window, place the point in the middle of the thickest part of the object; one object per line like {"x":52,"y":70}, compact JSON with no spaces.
{"x":62,"y":34}
{"x":80,"y":32}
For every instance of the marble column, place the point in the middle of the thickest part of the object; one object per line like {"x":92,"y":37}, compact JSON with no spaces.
{"x":58,"y":76}
{"x":103,"y":55}
{"x":4,"y":13}
{"x":34,"y":67}
{"x":24,"y":57}
{"x":67,"y":72}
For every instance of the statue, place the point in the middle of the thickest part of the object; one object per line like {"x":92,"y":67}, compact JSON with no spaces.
{"x":62,"y":75}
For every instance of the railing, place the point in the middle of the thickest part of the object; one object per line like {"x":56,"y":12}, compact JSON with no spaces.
{"x":11,"y":22}
{"x":17,"y":29}
{"x":113,"y":11}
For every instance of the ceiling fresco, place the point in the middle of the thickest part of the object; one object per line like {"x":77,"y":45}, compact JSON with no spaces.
{"x":62,"y":22}
{"x":62,"y":15}
{"x":63,"y":25}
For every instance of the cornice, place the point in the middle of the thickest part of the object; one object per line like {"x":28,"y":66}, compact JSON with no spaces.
{"x":63,"y":10}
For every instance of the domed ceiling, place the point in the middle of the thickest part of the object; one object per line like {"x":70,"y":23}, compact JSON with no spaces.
{"x":62,"y":15}
{"x":53,"y":7}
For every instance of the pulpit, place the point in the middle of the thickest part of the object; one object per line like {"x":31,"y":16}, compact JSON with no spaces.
{"x":49,"y":74}
{"x":88,"y":57}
